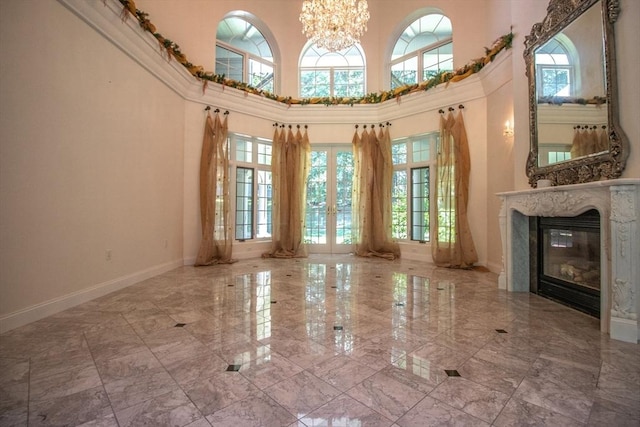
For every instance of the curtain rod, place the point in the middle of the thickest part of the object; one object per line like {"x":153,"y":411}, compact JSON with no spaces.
{"x":217,"y":110}
{"x":373,"y":125}
{"x":588,"y":127}
{"x":461,"y":107}
{"x":276,"y":124}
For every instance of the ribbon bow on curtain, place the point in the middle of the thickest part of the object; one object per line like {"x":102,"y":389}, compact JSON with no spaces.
{"x":215,"y":246}
{"x":453,"y":244}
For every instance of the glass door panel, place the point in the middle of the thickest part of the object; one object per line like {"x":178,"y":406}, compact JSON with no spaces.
{"x":329,"y":197}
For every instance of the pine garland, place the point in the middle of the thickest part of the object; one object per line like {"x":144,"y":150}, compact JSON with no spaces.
{"x":173,"y":51}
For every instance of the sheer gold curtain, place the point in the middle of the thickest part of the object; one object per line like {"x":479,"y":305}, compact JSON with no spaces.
{"x":603,"y":144}
{"x":372,"y":195}
{"x":453,"y":244}
{"x":215,"y":246}
{"x":577,"y":145}
{"x":291,"y":157}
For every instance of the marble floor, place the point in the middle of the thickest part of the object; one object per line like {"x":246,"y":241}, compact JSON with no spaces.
{"x":322,"y":341}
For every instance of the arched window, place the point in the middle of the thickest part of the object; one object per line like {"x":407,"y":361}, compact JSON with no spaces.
{"x":424,"y":49}
{"x":243,"y":53}
{"x":555,"y":68}
{"x":324,"y":73}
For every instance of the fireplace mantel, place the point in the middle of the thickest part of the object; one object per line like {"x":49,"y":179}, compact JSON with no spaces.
{"x":618,"y":202}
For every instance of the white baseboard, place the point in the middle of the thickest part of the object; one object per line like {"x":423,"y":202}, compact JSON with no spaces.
{"x":624,"y":330}
{"x":241,"y":251}
{"x":495,"y":267}
{"x":42,"y":310}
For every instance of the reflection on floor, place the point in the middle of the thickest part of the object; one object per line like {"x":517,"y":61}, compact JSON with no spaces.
{"x":323,"y":341}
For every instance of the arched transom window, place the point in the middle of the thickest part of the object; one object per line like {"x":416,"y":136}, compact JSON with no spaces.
{"x":324,"y":73}
{"x":243,"y":54}
{"x":554,"y":70}
{"x":424,"y":49}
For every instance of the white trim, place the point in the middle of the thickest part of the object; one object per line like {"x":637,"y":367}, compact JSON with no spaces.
{"x":56,"y":305}
{"x":242,"y":250}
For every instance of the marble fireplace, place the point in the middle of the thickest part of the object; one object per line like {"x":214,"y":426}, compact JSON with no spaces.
{"x":618,"y":203}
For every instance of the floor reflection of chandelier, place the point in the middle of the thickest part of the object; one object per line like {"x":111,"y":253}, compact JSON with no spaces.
{"x":334,"y":24}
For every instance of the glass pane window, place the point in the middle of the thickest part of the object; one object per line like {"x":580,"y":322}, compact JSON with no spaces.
{"x":424,"y":49}
{"x":437,"y":60}
{"x":229,"y":63}
{"x":244,"y":203}
{"x":421,"y":150}
{"x":413,"y":158}
{"x":399,"y":152}
{"x":344,"y":197}
{"x":315,"y":83}
{"x":264,"y":153}
{"x":558,"y":156}
{"x":261,"y":75}
{"x":405,"y":72}
{"x":244,"y":151}
{"x":420,"y":204}
{"x":399,"y":204}
{"x":252,"y":187}
{"x":324,"y":73}
{"x":316,"y":219}
{"x":265,"y":191}
{"x":554,"y":64}
{"x":243,"y":53}
{"x":348,"y":83}
{"x":556,"y":81}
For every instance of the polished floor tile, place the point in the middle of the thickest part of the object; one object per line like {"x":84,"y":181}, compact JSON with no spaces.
{"x":321,"y":341}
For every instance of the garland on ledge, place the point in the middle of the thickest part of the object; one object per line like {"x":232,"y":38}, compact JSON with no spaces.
{"x":173,"y":51}
{"x":559,"y":100}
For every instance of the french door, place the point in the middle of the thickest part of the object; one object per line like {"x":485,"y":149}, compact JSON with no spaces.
{"x":329,"y":196}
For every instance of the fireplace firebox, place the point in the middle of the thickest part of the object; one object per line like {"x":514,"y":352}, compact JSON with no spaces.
{"x":567,"y":266}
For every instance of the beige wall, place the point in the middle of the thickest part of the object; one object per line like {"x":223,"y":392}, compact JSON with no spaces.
{"x":91,"y":160}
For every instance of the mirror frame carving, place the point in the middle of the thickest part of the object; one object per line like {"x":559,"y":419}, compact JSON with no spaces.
{"x":606,"y":165}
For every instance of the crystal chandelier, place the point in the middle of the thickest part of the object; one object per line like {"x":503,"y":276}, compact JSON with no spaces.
{"x":334,"y":24}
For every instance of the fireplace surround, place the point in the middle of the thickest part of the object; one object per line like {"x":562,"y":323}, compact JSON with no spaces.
{"x":618,"y":203}
{"x":565,"y":255}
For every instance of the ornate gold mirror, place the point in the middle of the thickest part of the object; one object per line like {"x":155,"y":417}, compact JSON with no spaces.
{"x":573,"y":98}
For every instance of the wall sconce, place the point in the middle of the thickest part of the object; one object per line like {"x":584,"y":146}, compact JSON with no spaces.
{"x":508,"y":129}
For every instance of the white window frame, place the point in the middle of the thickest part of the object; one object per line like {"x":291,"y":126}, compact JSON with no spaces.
{"x":419,"y":55}
{"x":333,"y":69}
{"x":407,"y":168}
{"x":257,"y":166}
{"x":246,"y":62}
{"x":270,"y":40}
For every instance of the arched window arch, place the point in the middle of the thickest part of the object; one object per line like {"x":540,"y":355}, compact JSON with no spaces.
{"x":324,"y":73}
{"x":556,"y":62}
{"x":423,"y":49}
{"x":245,"y":51}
